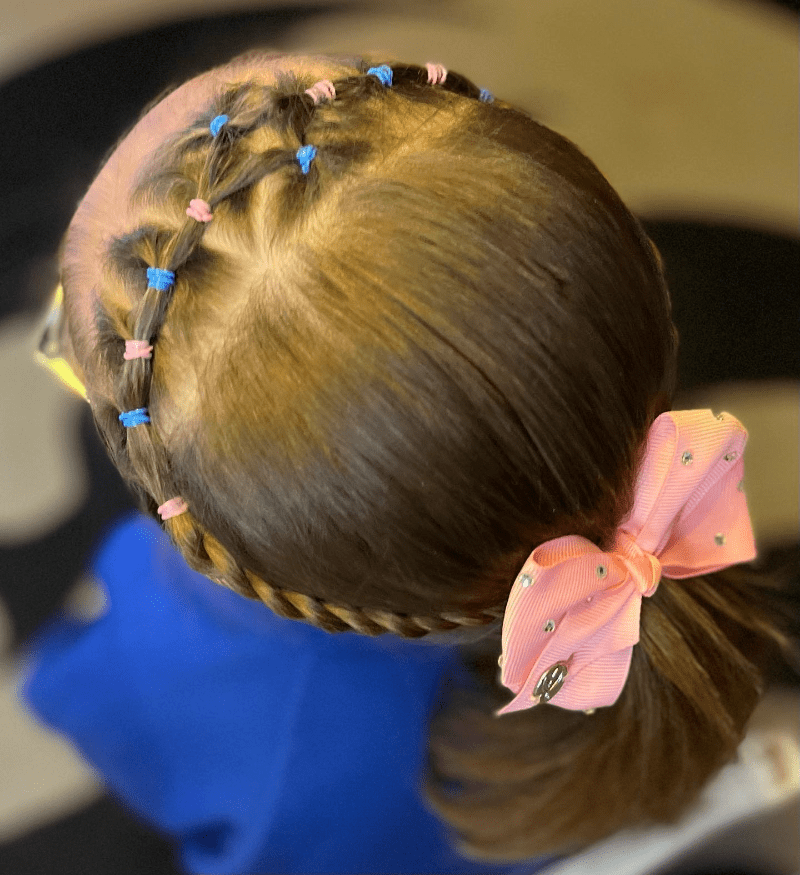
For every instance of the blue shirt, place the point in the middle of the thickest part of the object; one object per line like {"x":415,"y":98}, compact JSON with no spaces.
{"x":259,"y":744}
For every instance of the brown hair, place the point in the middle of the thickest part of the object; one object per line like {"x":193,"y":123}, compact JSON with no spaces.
{"x":381,"y":384}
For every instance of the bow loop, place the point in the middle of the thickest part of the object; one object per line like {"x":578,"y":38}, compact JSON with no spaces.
{"x":643,"y":567}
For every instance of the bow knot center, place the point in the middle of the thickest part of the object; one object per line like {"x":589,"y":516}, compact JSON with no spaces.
{"x":644,"y":567}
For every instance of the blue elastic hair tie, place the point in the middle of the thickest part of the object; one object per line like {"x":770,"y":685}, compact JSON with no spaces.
{"x":305,"y":155}
{"x":486,"y":96}
{"x":384,"y":73}
{"x":160,"y":279}
{"x":216,"y":124}
{"x":131,"y":418}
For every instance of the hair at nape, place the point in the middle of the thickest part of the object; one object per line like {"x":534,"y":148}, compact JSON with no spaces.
{"x":402,"y":334}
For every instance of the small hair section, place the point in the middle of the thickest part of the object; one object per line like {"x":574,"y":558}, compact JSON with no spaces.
{"x":384,"y":73}
{"x":217,"y":124}
{"x":174,"y":507}
{"x":160,"y":279}
{"x":437,"y":74}
{"x":132,"y":418}
{"x":322,"y":90}
{"x":305,"y":155}
{"x":137,"y":349}
{"x":199,"y":210}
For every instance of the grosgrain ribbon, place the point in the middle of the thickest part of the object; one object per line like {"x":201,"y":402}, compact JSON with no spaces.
{"x":575,"y":608}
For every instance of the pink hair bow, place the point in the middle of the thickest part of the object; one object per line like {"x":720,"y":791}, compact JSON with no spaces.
{"x":573,"y":613}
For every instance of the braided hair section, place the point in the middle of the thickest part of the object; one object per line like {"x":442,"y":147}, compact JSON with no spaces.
{"x":251,"y":133}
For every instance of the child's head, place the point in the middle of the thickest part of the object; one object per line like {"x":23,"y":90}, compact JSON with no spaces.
{"x":379,"y":383}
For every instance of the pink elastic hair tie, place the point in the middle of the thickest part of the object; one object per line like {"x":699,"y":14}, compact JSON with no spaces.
{"x":174,"y":507}
{"x":436,"y":74}
{"x":322,"y":90}
{"x":199,"y":210}
{"x":137,"y":349}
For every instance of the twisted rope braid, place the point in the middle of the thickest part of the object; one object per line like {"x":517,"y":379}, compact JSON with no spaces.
{"x":333,"y":618}
{"x":205,"y":554}
{"x":220,"y":190}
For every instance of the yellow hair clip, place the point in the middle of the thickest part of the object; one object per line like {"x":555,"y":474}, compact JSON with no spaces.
{"x":48,"y":348}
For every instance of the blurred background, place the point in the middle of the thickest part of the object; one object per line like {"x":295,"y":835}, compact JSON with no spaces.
{"x":689,"y":107}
